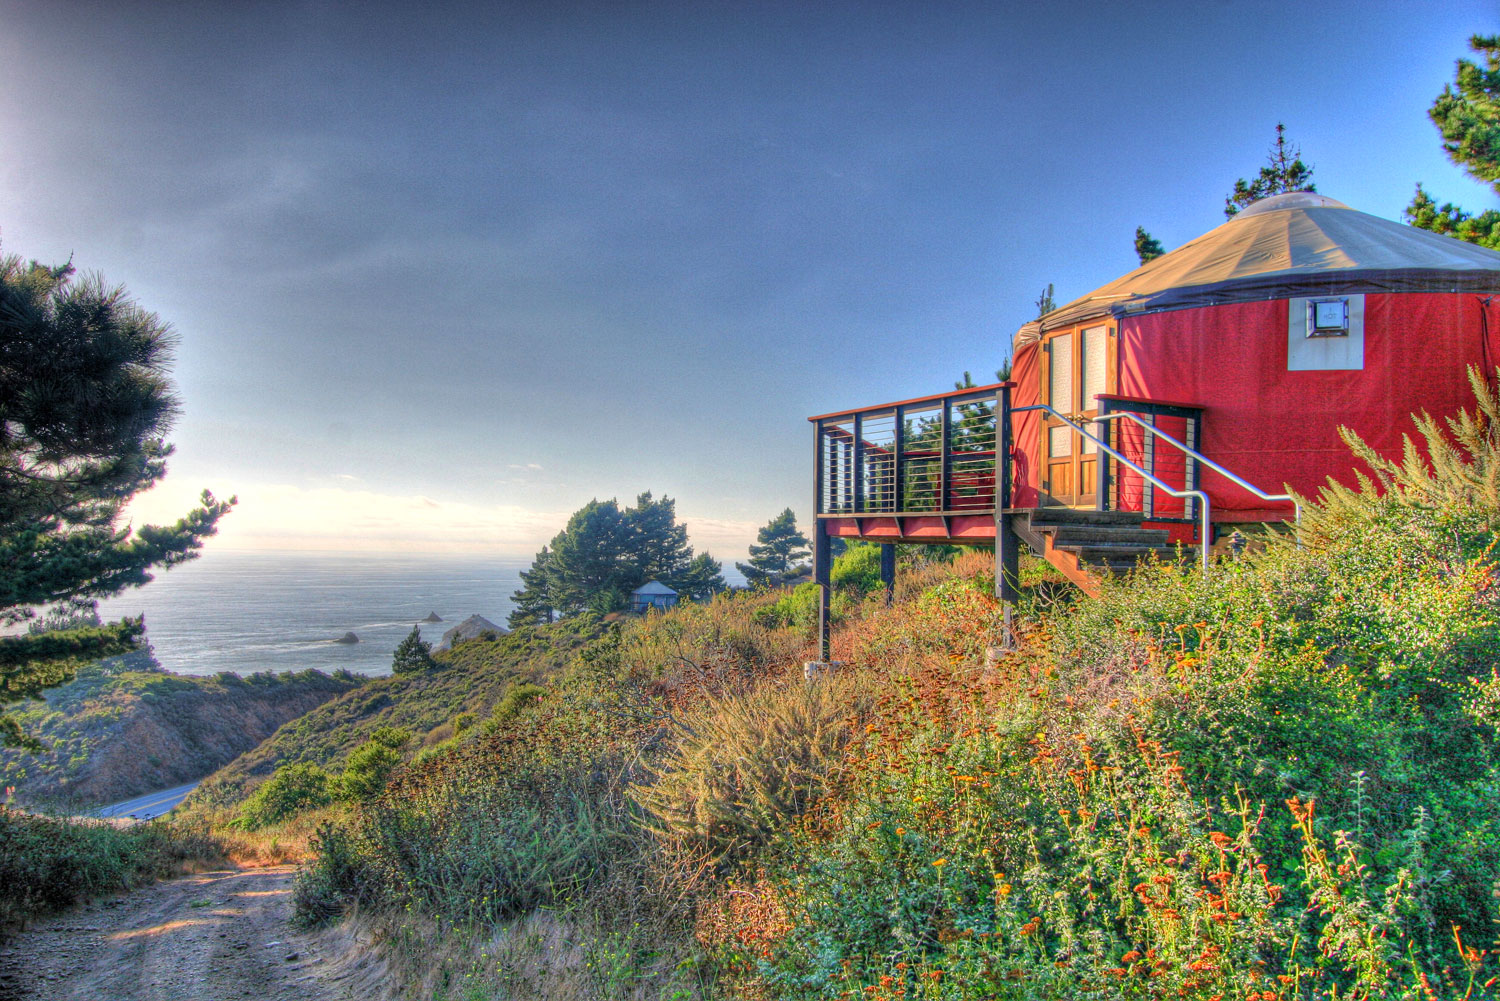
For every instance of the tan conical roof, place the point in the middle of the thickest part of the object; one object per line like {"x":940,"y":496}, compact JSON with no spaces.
{"x":1298,"y":243}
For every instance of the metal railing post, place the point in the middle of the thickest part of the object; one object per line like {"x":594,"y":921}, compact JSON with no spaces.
{"x":945,"y":455}
{"x":1101,"y":498}
{"x":898,"y":457}
{"x":859,"y":463}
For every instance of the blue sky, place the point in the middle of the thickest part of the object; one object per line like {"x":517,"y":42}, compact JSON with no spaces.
{"x":442,"y":276}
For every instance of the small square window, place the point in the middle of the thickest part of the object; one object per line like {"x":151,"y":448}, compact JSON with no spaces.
{"x":1328,"y":318}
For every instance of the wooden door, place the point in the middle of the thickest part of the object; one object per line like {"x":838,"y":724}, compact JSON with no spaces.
{"x":1077,"y":365}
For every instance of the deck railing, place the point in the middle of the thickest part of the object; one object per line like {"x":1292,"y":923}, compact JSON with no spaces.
{"x":929,"y":455}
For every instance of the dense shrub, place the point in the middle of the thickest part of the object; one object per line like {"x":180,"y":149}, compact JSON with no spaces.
{"x":290,"y":790}
{"x":49,"y":863}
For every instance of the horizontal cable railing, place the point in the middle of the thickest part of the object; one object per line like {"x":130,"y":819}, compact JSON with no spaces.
{"x":931,"y":455}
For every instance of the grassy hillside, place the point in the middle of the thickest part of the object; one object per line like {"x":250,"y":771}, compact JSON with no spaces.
{"x":471,"y":679}
{"x":1275,"y":780}
{"x":116,"y":732}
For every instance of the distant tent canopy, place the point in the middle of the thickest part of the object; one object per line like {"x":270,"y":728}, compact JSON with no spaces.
{"x":652,"y":594}
{"x":1297,"y":316}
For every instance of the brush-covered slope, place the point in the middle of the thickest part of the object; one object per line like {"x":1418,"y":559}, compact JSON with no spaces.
{"x":470,"y":678}
{"x":117,"y":731}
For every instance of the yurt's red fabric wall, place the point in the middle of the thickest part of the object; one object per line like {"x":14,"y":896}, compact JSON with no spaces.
{"x":1275,"y":427}
{"x":1024,"y":427}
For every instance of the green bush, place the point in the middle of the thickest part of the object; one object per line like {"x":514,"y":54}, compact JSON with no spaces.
{"x":857,"y":571}
{"x":290,"y":790}
{"x":367,"y":770}
{"x":514,"y":702}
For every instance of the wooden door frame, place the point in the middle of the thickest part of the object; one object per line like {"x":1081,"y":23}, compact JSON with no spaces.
{"x":1079,"y":497}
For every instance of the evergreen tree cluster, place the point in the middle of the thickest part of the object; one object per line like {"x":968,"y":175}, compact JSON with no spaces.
{"x":604,"y":553}
{"x":84,"y":404}
{"x":1467,"y":113}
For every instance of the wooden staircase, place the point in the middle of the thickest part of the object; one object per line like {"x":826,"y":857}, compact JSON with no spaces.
{"x":1084,"y":544}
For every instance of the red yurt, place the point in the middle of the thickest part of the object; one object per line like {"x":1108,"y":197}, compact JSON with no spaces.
{"x":1257,"y":340}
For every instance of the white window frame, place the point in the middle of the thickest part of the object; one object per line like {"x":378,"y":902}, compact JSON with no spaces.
{"x":1310,"y":350}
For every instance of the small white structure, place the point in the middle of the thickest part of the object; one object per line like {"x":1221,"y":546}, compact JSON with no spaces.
{"x":471,"y":628}
{"x":652,"y":594}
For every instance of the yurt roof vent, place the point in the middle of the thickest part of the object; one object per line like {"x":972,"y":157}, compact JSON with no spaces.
{"x":1290,"y":200}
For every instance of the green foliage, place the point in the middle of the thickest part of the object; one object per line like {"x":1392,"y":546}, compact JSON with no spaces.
{"x":413,"y":654}
{"x":392,"y":737}
{"x":1454,"y":476}
{"x":750,"y":765}
{"x":1448,"y":219}
{"x":475,"y":677}
{"x":606,"y":552}
{"x":1467,"y":114}
{"x":292,"y":789}
{"x":515,"y":701}
{"x":1147,"y":247}
{"x":365,"y":775}
{"x":857,"y":571}
{"x":47,"y":864}
{"x":84,"y":403}
{"x":1045,"y":303}
{"x":1284,"y":171}
{"x":780,"y":551}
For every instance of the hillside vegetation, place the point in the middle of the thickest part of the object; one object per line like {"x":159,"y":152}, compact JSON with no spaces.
{"x":1275,"y":780}
{"x":468,"y":682}
{"x":117,"y":731}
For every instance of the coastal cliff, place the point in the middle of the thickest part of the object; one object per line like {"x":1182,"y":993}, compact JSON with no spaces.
{"x":114,"y":733}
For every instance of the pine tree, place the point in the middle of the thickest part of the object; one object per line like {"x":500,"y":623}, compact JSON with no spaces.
{"x":533,"y":603}
{"x":413,"y":654}
{"x":780,"y":550}
{"x":1147,"y":247}
{"x":1044,"y":302}
{"x":1284,"y":171}
{"x":85,"y":403}
{"x":604,"y":553}
{"x":1467,"y":113}
{"x":700,"y":580}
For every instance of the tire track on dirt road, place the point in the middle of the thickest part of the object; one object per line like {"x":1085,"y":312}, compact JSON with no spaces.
{"x":207,"y":937}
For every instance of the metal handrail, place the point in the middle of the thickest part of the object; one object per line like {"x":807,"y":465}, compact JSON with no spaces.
{"x":1211,"y":464}
{"x":1155,"y":481}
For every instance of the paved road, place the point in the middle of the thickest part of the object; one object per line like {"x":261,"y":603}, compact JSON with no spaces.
{"x":146,"y":807}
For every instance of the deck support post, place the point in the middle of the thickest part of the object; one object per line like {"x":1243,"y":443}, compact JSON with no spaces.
{"x":1007,"y":543}
{"x":823,"y":574}
{"x":888,"y":571}
{"x":822,"y":558}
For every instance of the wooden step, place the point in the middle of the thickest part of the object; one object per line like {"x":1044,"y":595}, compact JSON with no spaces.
{"x":1049,"y":516}
{"x":1074,"y":535}
{"x":1095,"y":552}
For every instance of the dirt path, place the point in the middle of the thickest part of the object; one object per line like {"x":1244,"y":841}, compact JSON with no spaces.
{"x":210,"y":937}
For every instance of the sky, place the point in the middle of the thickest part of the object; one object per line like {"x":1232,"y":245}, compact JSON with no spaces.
{"x":443,"y":273}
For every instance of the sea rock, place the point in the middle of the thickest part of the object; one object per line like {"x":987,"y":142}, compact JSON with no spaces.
{"x":433,"y":617}
{"x":347,"y":638}
{"x":470,"y":628}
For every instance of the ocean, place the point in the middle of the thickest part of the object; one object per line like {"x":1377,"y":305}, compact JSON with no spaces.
{"x":247,"y":612}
